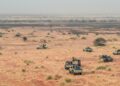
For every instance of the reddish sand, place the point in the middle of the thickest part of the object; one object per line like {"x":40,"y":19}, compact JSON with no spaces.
{"x":42,"y":64}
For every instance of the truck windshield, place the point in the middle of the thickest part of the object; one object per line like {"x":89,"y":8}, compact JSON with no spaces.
{"x":77,"y":68}
{"x":68,"y":62}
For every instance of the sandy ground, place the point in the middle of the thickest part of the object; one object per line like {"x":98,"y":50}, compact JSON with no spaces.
{"x":21,"y":64}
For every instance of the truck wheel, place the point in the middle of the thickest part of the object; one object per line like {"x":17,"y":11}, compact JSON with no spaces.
{"x":66,"y":68}
{"x":80,"y":73}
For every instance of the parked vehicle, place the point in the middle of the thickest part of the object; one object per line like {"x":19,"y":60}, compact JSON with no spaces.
{"x":88,"y":49}
{"x":116,"y":52}
{"x":106,"y":58}
{"x":74,"y":66}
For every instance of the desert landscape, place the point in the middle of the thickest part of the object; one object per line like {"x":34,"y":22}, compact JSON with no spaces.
{"x":23,"y":64}
{"x":59,"y":43}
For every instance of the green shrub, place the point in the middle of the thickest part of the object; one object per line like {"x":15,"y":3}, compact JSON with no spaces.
{"x":42,"y":66}
{"x":96,"y":33}
{"x":104,"y":68}
{"x":25,"y":39}
{"x":0,"y":53}
{"x":23,"y":70}
{"x":101,"y":68}
{"x":109,"y":69}
{"x":43,"y":46}
{"x":16,"y":53}
{"x":18,"y":35}
{"x":49,"y":78}
{"x":1,"y":34}
{"x":1,"y":48}
{"x":83,"y":38}
{"x":36,"y":67}
{"x":57,"y":77}
{"x":48,"y":33}
{"x":68,"y":80}
{"x":73,"y":38}
{"x":100,"y":42}
{"x":114,"y":47}
{"x":28,"y":62}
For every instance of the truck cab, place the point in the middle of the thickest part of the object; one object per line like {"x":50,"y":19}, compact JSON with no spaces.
{"x":106,"y":58}
{"x":68,"y":64}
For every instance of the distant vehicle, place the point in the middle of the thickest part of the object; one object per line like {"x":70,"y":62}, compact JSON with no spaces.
{"x":88,"y":49}
{"x":74,"y":66}
{"x":116,"y":52}
{"x":106,"y":58}
{"x":68,"y":64}
{"x":75,"y":70}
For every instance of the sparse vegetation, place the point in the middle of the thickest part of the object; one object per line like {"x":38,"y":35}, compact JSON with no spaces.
{"x":83,"y":38}
{"x":67,"y":80}
{"x":115,"y":39}
{"x":16,"y":53}
{"x":103,"y":68}
{"x":73,"y":38}
{"x":43,"y":46}
{"x":42,"y":66}
{"x":28,"y":62}
{"x":43,"y":41}
{"x":18,"y":35}
{"x":1,"y":48}
{"x":63,"y":33}
{"x":47,"y":67}
{"x":100,"y":42}
{"x":25,"y":39}
{"x":109,"y":69}
{"x":36,"y":67}
{"x":92,"y":71}
{"x":23,"y":70}
{"x":75,"y":32}
{"x":114,"y":47}
{"x":48,"y":33}
{"x":49,"y":77}
{"x":57,"y":77}
{"x":0,"y":53}
{"x":96,"y":33}
{"x":1,"y":34}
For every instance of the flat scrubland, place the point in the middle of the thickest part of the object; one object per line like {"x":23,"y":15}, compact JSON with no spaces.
{"x":22,"y":64}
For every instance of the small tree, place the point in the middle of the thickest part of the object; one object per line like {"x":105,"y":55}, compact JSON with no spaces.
{"x":100,"y":42}
{"x":18,"y":35}
{"x":1,"y":34}
{"x":25,"y":38}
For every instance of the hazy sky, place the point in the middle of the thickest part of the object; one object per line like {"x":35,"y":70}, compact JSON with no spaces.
{"x":61,"y":7}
